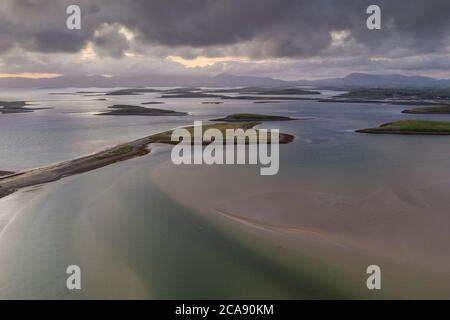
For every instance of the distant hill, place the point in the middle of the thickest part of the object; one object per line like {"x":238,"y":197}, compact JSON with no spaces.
{"x":377,"y":80}
{"x":360,"y":80}
{"x":230,"y":80}
{"x":154,"y":80}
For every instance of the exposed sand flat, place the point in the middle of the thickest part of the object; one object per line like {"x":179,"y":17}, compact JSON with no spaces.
{"x":404,"y":229}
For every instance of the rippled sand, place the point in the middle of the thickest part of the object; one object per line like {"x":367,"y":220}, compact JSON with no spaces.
{"x":403,"y":229}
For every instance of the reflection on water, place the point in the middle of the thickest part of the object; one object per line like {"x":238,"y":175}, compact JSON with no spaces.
{"x":131,"y":241}
{"x":147,"y":229}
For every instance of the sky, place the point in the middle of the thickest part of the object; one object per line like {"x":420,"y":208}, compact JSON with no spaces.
{"x":285,"y":39}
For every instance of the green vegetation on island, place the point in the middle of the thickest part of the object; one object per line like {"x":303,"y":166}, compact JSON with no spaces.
{"x":435,"y":109}
{"x":166,"y":137}
{"x":265,"y":91}
{"x":119,"y":151}
{"x":400,"y":96}
{"x":257,"y":93}
{"x":398,"y":93}
{"x":129,"y":110}
{"x":236,"y":117}
{"x":140,"y":91}
{"x":411,"y":127}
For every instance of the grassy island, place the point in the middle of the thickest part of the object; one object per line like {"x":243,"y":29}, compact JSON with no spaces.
{"x":129,"y":110}
{"x":165,"y":137}
{"x":236,"y":117}
{"x":438,"y":109}
{"x":257,"y":94}
{"x":411,"y":127}
{"x":398,"y":96}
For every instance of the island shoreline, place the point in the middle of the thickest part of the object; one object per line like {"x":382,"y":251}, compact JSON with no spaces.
{"x":125,"y":151}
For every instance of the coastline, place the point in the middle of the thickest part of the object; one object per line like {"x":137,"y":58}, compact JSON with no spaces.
{"x":11,"y":183}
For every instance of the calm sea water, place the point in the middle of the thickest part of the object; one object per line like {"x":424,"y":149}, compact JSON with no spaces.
{"x":137,"y":237}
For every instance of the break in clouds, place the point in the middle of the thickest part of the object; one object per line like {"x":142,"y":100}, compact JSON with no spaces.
{"x":282,"y":38}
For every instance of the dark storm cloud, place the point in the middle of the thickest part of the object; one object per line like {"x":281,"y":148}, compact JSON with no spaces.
{"x":277,"y":28}
{"x":39,"y":25}
{"x":415,"y":34}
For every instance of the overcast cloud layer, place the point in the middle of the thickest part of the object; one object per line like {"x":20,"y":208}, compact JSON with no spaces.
{"x":279,"y":38}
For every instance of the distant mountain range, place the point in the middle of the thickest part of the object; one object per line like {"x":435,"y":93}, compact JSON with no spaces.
{"x":221,"y":80}
{"x":377,"y":80}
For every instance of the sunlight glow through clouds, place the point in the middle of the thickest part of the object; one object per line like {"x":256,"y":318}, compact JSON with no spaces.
{"x":30,"y":75}
{"x":88,"y":53}
{"x":202,"y":62}
{"x":339,"y":37}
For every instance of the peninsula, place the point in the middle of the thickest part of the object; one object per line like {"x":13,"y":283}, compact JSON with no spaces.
{"x":11,"y":183}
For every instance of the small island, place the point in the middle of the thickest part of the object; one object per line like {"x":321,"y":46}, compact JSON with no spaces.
{"x":265,"y":98}
{"x":153,"y":102}
{"x":189,"y":94}
{"x":239,"y":117}
{"x":411,"y":127}
{"x":268,"y":101}
{"x":266,"y":91}
{"x":129,"y":110}
{"x":437,"y":109}
{"x":258,"y":97}
{"x":165,"y":137}
{"x":287,"y":91}
{"x":131,"y":92}
{"x":397,"y":96}
{"x":16,"y":107}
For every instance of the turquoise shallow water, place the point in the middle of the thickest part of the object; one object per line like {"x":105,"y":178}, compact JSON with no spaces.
{"x":133,"y":239}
